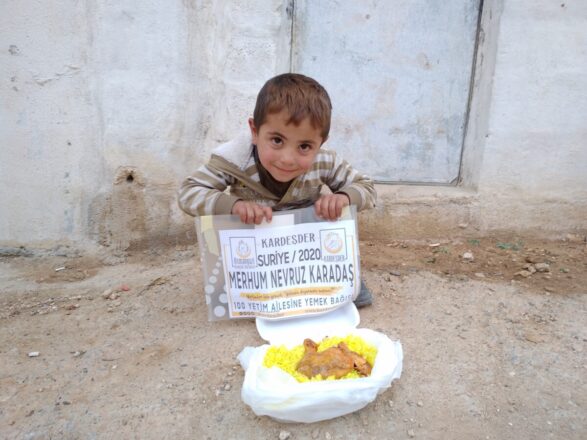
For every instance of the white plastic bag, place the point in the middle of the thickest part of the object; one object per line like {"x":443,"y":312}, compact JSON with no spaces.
{"x":275,"y":393}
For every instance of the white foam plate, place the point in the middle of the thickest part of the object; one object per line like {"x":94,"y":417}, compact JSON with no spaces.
{"x":295,"y":330}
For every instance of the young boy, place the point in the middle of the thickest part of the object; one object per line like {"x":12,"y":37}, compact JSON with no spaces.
{"x":280,"y":165}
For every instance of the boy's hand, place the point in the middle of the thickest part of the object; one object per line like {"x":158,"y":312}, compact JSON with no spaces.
{"x":251,"y":212}
{"x":329,"y":206}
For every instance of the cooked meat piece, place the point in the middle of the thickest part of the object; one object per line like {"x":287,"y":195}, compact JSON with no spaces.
{"x":334,"y":361}
{"x":360,"y":363}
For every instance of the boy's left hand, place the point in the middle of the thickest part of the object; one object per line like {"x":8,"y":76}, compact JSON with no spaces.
{"x":329,"y":206}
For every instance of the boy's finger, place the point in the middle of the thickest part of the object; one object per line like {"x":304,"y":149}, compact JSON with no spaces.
{"x":338,"y":208}
{"x":332,"y":208}
{"x":268,"y":213}
{"x":325,"y":209}
{"x":317,"y":207}
{"x":253,"y":215}
{"x":259,"y":214}
{"x":240,"y":212}
{"x":250,"y":215}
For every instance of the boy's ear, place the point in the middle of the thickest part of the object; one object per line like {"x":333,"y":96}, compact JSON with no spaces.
{"x":253,"y":129}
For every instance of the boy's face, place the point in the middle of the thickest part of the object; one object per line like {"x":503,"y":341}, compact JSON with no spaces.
{"x":286,"y":151}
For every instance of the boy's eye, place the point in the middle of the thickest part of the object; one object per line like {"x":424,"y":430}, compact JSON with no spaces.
{"x":305,"y":148}
{"x":277,"y":140}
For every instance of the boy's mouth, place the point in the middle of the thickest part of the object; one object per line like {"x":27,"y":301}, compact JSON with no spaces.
{"x":286,"y":171}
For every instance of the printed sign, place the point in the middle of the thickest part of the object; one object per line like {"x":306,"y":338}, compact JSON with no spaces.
{"x":288,"y":271}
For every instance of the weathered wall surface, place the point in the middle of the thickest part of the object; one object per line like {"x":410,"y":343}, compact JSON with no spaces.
{"x":525,"y":155}
{"x":106,"y":106}
{"x":534,"y":166}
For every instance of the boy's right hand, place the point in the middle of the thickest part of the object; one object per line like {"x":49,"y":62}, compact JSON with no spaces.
{"x":251,"y":212}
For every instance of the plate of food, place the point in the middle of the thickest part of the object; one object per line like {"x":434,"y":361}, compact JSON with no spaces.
{"x":316,"y":372}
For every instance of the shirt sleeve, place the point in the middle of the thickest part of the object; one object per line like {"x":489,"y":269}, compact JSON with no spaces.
{"x":360,"y":189}
{"x":203,"y":192}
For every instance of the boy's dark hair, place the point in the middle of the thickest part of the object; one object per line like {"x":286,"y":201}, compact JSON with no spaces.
{"x":302,"y":97}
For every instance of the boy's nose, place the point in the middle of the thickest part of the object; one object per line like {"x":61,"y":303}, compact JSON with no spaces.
{"x":287,"y":157}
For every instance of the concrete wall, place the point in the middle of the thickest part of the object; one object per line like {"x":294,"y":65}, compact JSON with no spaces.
{"x":524,"y":163}
{"x":534,"y":164}
{"x":106,"y":106}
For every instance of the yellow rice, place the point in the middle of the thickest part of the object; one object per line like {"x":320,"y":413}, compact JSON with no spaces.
{"x":288,"y":359}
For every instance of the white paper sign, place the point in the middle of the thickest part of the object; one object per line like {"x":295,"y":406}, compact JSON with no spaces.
{"x":289,"y":271}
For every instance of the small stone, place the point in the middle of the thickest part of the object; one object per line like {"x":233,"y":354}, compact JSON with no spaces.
{"x":468,"y":256}
{"x":327,"y":435}
{"x":227,"y":387}
{"x":106,"y":294}
{"x":124,"y":288}
{"x":395,"y":273}
{"x":34,"y":354}
{"x":284,"y":435}
{"x":533,"y":337}
{"x":420,"y":404}
{"x":463,"y":225}
{"x":114,"y":296}
{"x":432,"y":245}
{"x":411,"y":433}
{"x":117,"y":303}
{"x":390,"y":403}
{"x":523,"y":273}
{"x":479,"y":275}
{"x":315,"y":433}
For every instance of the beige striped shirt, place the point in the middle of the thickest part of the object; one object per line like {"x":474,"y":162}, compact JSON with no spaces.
{"x":232,"y":166}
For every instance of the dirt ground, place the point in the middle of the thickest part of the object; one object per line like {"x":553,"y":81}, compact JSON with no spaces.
{"x":493,"y":332}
